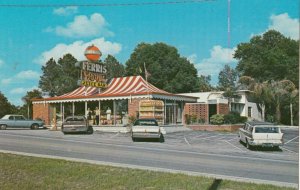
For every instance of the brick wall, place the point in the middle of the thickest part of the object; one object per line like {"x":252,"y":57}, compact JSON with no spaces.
{"x":199,"y":110}
{"x":42,"y":111}
{"x":215,"y":127}
{"x":222,"y":109}
{"x":133,"y":107}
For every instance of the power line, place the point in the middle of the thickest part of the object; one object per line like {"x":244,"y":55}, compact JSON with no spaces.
{"x":103,"y":4}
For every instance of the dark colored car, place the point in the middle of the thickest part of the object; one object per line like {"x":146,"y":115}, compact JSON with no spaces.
{"x":76,"y":124}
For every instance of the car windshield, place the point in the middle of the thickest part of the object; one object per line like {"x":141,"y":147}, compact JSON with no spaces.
{"x":266,"y":130}
{"x":145,"y":123}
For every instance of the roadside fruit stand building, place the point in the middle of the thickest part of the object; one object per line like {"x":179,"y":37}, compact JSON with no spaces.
{"x":120,"y":103}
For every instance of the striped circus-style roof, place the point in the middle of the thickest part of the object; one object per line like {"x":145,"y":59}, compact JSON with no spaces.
{"x":80,"y":92}
{"x":132,"y":85}
{"x":119,"y":88}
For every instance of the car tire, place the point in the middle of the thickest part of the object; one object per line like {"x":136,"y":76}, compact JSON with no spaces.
{"x":3,"y":127}
{"x":161,"y":138}
{"x":248,"y":146}
{"x":90,"y":130}
{"x":35,"y":126}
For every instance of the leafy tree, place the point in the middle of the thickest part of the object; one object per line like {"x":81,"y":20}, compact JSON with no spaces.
{"x":227,"y":83}
{"x":260,"y":92}
{"x":6,"y":107}
{"x":114,"y":68}
{"x":204,"y":83}
{"x":227,"y":78}
{"x":167,"y":69}
{"x":69,"y":74}
{"x":59,"y":78}
{"x":281,"y":90}
{"x":270,"y":56}
{"x":27,"y":108}
{"x":49,"y":80}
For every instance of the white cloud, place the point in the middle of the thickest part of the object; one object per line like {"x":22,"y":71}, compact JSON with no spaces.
{"x":219,"y":57}
{"x":6,"y":81}
{"x":23,"y":75}
{"x":21,"y":90}
{"x":1,"y":62}
{"x":285,"y":25}
{"x":65,"y":11}
{"x":192,"y":58}
{"x":83,"y":26}
{"x":77,"y":49}
{"x":29,"y":74}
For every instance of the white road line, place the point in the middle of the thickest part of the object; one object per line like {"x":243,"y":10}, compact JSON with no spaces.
{"x":187,"y":141}
{"x":155,"y":149}
{"x":114,"y":136}
{"x":233,"y":139}
{"x":198,"y":136}
{"x":235,"y":146}
{"x":289,"y":150}
{"x":291,"y":140}
{"x":209,"y":137}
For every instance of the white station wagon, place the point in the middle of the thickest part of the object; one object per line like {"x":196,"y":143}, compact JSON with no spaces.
{"x":261,"y":134}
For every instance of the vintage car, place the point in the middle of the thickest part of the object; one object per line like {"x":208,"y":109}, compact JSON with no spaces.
{"x":76,"y":124}
{"x":261,"y":134}
{"x":19,"y":121}
{"x":146,"y":128}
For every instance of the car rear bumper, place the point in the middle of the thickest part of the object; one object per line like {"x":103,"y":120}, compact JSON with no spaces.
{"x":74,"y":129}
{"x":146,"y":135}
{"x":265,"y":144}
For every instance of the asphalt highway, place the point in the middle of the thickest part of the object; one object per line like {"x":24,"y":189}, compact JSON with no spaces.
{"x":213,"y":154}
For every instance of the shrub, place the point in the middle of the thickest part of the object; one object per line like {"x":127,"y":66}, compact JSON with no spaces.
{"x":187,"y":119}
{"x":194,"y":118}
{"x":217,"y":119}
{"x":234,"y":117}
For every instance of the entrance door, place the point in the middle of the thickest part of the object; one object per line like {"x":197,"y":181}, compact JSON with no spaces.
{"x":171,"y":113}
{"x":212,"y":108}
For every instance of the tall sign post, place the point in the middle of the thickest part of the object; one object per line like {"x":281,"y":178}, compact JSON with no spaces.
{"x":93,"y":72}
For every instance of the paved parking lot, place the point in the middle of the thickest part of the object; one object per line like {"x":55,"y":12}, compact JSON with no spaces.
{"x":200,"y":141}
{"x":214,"y":142}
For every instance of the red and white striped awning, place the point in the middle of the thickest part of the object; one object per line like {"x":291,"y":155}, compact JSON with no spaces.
{"x":81,"y":92}
{"x":133,"y":85}
{"x":119,"y":88}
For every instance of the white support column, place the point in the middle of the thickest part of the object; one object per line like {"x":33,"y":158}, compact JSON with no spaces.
{"x":85,"y":109}
{"x":114,"y":105}
{"x":99,"y":104}
{"x":175,"y":113}
{"x":73,"y":109}
{"x":63,"y":112}
{"x":182,"y":112}
{"x":165,"y":111}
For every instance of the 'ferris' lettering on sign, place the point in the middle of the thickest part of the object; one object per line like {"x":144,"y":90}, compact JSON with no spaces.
{"x":93,"y":67}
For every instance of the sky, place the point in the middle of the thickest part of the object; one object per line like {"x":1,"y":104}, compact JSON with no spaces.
{"x":31,"y":35}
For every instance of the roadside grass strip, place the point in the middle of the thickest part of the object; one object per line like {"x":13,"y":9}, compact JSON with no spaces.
{"x":27,"y":173}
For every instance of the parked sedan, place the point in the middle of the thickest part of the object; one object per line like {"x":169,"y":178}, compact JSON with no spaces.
{"x":261,"y":134}
{"x":19,"y":121}
{"x":74,"y":124}
{"x":146,"y":128}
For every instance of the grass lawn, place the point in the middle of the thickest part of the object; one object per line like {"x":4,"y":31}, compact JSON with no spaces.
{"x":24,"y":172}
